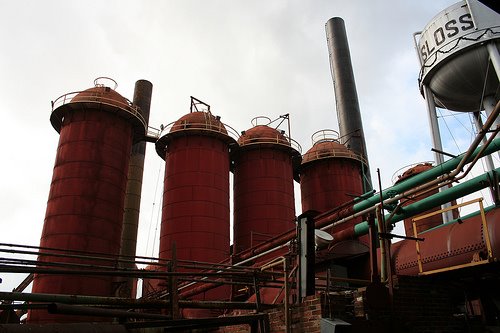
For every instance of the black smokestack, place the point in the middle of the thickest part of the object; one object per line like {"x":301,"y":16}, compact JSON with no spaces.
{"x":346,"y":97}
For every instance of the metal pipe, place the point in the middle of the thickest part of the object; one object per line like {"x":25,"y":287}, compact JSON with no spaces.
{"x":60,"y":308}
{"x":479,"y":124}
{"x":57,"y":328}
{"x":142,"y":98}
{"x":67,"y":253}
{"x":124,"y":302}
{"x":382,"y":242}
{"x":407,"y":187}
{"x":288,"y":322}
{"x":206,"y":287}
{"x":80,"y":299}
{"x":436,"y":141}
{"x":450,"y":194}
{"x":346,"y":96}
{"x":392,"y":194}
{"x":133,"y":273}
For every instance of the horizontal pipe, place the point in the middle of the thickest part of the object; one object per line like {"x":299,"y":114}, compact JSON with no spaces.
{"x":67,"y":309}
{"x":81,"y":299}
{"x":359,"y":208}
{"x":125,"y":302}
{"x":448,"y":195}
{"x":423,"y":177}
{"x":432,"y":201}
{"x":57,"y":328}
{"x":134,"y":273}
{"x":200,"y":323}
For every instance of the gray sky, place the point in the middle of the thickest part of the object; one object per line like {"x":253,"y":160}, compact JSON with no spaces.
{"x":244,"y":58}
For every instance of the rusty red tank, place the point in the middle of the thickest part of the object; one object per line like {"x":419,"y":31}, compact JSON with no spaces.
{"x":448,"y":245}
{"x":195,"y":211}
{"x":86,"y":199}
{"x":264,"y":204}
{"x":428,"y":222}
{"x":330,"y":174}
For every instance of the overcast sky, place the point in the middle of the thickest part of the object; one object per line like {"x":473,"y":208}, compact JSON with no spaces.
{"x":244,"y":58}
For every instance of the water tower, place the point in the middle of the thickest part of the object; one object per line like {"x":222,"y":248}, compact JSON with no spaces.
{"x":460,"y":63}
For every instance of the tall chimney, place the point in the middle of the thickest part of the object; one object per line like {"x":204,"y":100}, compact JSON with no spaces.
{"x":346,"y":97}
{"x":142,"y":98}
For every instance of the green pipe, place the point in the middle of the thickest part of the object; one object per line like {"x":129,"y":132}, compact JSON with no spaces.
{"x":448,"y":195}
{"x":423,"y":177}
{"x":434,"y":200}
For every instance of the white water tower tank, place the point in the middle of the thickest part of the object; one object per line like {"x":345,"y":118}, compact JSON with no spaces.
{"x":453,"y":51}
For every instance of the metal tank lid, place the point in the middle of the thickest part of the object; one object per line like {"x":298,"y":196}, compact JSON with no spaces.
{"x":108,"y":100}
{"x":263,"y":134}
{"x":199,"y":120}
{"x":326,"y":145}
{"x":196,"y":123}
{"x":410,"y":171}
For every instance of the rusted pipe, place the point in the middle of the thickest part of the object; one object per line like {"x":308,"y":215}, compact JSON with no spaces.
{"x":58,"y":328}
{"x":66,"y":309}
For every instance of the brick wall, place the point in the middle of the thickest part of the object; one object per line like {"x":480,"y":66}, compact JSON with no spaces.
{"x":426,"y":304}
{"x":306,"y":317}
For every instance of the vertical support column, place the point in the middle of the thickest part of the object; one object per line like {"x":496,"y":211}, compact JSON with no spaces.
{"x":372,"y":232}
{"x":436,"y":141}
{"x":142,"y":98}
{"x":489,"y":102}
{"x":306,"y":256}
{"x":288,"y":322}
{"x":494,"y":56}
{"x":479,"y":125}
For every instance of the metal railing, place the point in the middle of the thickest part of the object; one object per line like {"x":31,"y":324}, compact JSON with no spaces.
{"x":325,"y":135}
{"x":215,"y":127}
{"x":474,"y":263}
{"x":98,"y":97}
{"x":278,"y":139}
{"x":398,"y":173}
{"x":176,"y":274}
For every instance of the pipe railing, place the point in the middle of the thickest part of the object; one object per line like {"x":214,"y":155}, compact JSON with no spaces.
{"x":214,"y":127}
{"x":485,"y":232}
{"x":98,"y":97}
{"x":278,"y":139}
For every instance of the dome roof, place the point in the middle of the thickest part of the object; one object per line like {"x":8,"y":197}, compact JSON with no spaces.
{"x":415,"y":170}
{"x":199,"y":120}
{"x":262,"y":134}
{"x":103,"y":95}
{"x":328,"y":149}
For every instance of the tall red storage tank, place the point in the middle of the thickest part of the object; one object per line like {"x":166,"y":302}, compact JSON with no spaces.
{"x":330,"y":174}
{"x":86,"y":199}
{"x":264,"y":204}
{"x":195,"y":211}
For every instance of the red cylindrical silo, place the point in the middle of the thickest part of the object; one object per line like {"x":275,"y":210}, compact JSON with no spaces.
{"x":330,"y":174}
{"x":85,"y":205}
{"x":195,"y":212}
{"x":264,"y":204}
{"x":428,"y":222}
